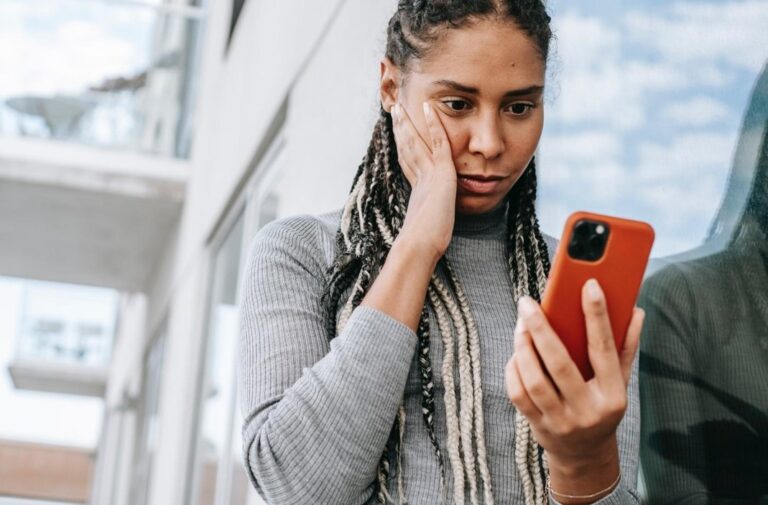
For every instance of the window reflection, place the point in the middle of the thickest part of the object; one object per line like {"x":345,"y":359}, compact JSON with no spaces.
{"x":704,"y":351}
{"x":644,"y":110}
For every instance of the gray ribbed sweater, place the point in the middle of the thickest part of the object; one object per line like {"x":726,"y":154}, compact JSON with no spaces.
{"x":704,"y":370}
{"x":317,"y":415}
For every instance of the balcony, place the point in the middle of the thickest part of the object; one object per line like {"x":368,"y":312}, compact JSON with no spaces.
{"x":96,"y":115}
{"x":64,"y":339}
{"x":108,"y":74}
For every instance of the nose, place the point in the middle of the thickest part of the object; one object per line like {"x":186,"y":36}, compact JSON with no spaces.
{"x":486,"y":136}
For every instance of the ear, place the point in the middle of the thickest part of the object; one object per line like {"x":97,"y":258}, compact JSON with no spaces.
{"x":389,"y":87}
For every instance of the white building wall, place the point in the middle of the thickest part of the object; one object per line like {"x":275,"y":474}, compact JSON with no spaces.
{"x":178,"y":385}
{"x":115,"y":451}
{"x":279,"y":48}
{"x":333,"y":108}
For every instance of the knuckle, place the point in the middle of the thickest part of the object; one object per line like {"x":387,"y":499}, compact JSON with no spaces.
{"x":597,"y":307}
{"x":588,"y":422}
{"x":537,"y":386}
{"x":560,"y":367}
{"x":564,"y":428}
{"x":616,"y":406}
{"x":534,"y":323}
{"x":514,"y":392}
{"x":602,"y":344}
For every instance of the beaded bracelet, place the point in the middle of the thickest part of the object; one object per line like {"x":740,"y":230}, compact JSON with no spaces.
{"x":599,"y":494}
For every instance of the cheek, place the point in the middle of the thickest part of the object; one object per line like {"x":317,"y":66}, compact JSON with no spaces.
{"x":522,"y":140}
{"x":458,"y":135}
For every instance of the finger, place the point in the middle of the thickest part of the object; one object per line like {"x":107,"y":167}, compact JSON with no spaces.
{"x":441,"y":146}
{"x":403,"y":159}
{"x":415,"y":144}
{"x":600,"y":344}
{"x":631,"y":343}
{"x":535,"y":381}
{"x":557,"y":361}
{"x":516,"y":392}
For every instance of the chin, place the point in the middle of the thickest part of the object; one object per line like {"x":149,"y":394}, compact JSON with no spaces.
{"x":470,"y":204}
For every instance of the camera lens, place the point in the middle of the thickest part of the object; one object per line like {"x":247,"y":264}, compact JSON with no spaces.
{"x":576,"y":250}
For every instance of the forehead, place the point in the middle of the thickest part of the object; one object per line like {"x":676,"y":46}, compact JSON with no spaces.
{"x":493,"y":56}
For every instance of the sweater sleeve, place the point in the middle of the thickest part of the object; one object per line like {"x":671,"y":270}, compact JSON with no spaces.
{"x":317,"y":416}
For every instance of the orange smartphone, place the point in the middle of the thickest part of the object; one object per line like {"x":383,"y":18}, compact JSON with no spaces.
{"x":614,"y":251}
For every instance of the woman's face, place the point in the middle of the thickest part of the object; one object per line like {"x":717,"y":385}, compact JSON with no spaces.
{"x":486,"y":83}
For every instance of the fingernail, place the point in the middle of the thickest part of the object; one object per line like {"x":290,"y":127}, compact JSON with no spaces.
{"x":427,"y":109}
{"x":593,"y":290}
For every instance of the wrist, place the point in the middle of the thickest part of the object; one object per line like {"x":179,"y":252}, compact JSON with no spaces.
{"x":583,"y":499}
{"x":417,"y":249}
{"x":603,"y":455}
{"x":586,"y":478}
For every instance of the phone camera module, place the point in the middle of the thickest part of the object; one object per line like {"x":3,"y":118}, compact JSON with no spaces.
{"x":588,"y":240}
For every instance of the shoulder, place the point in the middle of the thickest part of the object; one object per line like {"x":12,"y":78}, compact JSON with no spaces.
{"x":701,"y":278}
{"x":306,"y":239}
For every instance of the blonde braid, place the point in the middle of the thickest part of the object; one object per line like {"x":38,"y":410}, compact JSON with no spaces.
{"x":466,"y":390}
{"x":449,"y":398}
{"x":474,"y":351}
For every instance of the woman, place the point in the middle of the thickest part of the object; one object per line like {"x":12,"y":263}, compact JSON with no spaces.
{"x":433,"y":255}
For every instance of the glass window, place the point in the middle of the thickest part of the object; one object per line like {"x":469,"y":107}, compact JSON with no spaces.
{"x":147,"y":419}
{"x":659,"y":111}
{"x":217,"y":390}
{"x":645,"y":102}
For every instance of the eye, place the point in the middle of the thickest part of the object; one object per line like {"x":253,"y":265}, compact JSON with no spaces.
{"x":520,"y":108}
{"x":455,"y":105}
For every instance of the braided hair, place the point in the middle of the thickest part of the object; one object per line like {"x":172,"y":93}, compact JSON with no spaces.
{"x":371,"y":219}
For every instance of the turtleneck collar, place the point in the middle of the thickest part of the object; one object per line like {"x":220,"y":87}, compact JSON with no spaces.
{"x":487,"y":223}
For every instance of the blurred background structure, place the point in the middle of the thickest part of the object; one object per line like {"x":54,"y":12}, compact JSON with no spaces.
{"x":143,"y":143}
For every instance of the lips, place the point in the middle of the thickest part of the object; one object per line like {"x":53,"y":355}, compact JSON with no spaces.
{"x":483,"y":178}
{"x":479,"y":185}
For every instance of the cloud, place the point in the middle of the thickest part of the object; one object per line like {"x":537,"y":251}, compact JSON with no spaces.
{"x":610,"y":73}
{"x":682,"y":182}
{"x":52,"y":52}
{"x":581,"y":146}
{"x":601,"y":83}
{"x":697,"y":111}
{"x":730,"y":32}
{"x":687,"y":158}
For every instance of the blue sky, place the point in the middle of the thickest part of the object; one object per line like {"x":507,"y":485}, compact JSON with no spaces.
{"x":645,"y":105}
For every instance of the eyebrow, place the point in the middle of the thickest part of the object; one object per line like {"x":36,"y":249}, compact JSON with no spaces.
{"x":474,"y":91}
